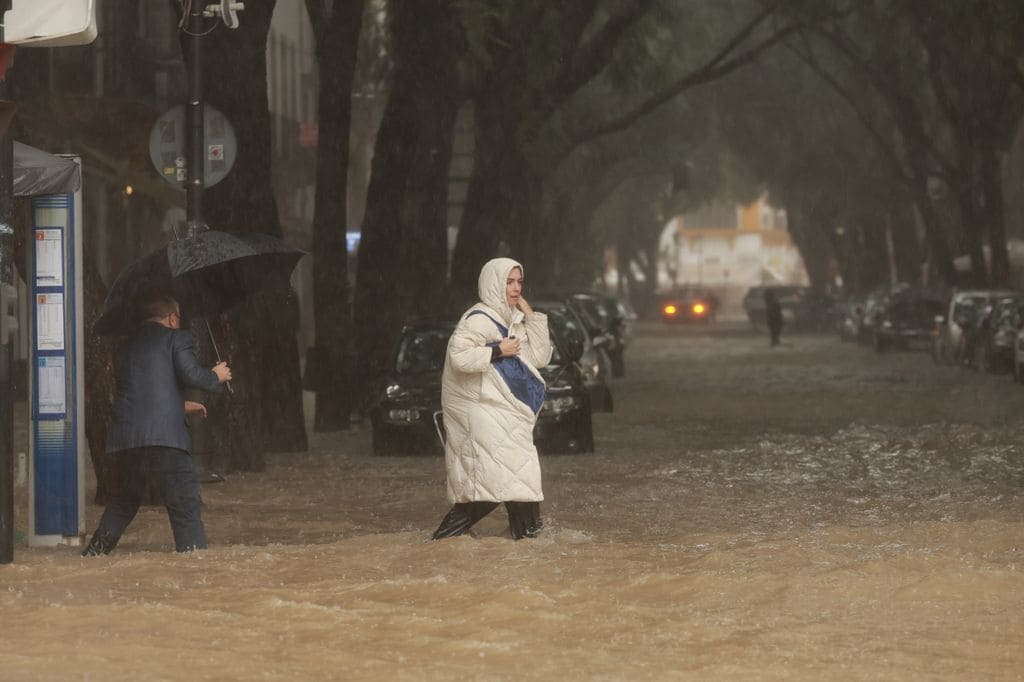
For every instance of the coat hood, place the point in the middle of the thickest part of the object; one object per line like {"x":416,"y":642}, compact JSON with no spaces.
{"x":491,"y":286}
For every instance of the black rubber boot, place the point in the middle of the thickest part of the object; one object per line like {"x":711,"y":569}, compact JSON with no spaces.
{"x":100,"y":544}
{"x":461,"y":518}
{"x":524,"y":519}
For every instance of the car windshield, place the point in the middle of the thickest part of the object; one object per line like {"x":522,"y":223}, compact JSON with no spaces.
{"x":1008,"y":309}
{"x":966,"y":308}
{"x":561,"y":327}
{"x":594,"y":310}
{"x":422,"y":350}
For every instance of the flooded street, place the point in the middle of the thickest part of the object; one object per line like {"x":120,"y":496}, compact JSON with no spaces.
{"x":812,"y":511}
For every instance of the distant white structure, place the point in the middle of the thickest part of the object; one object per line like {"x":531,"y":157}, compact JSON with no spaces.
{"x":726,"y":249}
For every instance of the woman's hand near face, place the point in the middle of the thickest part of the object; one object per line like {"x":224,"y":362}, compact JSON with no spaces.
{"x":524,"y":306}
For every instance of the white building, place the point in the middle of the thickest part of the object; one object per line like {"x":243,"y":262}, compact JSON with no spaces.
{"x":729,"y":250}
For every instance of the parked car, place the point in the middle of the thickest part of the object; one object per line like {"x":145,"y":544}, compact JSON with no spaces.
{"x":406,"y":413}
{"x":816,"y":311}
{"x":594,"y":362}
{"x":590,"y":308}
{"x":848,"y":319}
{"x":622,"y":318}
{"x":403,"y":412}
{"x":874,"y":303}
{"x":905,"y":320}
{"x":608,"y":321}
{"x":997,"y":334}
{"x":625,"y":315}
{"x":1018,"y":357}
{"x":689,"y":305}
{"x":948,"y":341}
{"x":565,"y":424}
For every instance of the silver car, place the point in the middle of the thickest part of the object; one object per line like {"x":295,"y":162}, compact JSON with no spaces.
{"x":948,"y":342}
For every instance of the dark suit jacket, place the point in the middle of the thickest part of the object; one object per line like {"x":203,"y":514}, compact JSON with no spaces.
{"x":152,"y":369}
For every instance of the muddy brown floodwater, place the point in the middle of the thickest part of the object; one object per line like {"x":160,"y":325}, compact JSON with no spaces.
{"x":814,"y":511}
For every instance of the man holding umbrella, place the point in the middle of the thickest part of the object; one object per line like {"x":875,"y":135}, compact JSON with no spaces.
{"x":149,"y":434}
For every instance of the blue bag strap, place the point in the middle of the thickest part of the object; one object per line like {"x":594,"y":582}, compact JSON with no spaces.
{"x":501,"y":328}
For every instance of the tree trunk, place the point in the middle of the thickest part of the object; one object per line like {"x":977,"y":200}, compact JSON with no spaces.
{"x":972,"y":233}
{"x":99,"y":381}
{"x":938,"y":247}
{"x":995,"y":217}
{"x":265,"y":412}
{"x":869,"y":246}
{"x":490,"y":201}
{"x":908,"y":249}
{"x":503,"y":203}
{"x":336,"y":40}
{"x":806,"y":225}
{"x":403,"y":249}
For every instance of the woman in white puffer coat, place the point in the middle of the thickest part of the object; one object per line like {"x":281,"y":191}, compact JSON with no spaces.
{"x":491,"y":393}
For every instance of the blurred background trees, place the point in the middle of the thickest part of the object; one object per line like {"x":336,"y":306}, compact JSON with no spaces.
{"x":404,"y":143}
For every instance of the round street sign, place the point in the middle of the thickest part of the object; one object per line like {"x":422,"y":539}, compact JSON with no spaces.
{"x":167,"y":146}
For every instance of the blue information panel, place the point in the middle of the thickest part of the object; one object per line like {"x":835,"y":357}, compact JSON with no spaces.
{"x":56,"y":504}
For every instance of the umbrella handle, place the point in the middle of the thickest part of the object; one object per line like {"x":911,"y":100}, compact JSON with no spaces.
{"x":216,"y":352}
{"x":209,"y":331}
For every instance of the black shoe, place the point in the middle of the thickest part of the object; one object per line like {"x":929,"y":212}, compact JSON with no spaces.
{"x":100,"y":544}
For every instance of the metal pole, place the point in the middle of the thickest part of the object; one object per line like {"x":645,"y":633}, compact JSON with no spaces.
{"x":194,"y":115}
{"x":6,"y":354}
{"x":195,"y":145}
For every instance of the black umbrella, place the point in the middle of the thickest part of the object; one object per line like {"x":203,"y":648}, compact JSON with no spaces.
{"x":207,"y":274}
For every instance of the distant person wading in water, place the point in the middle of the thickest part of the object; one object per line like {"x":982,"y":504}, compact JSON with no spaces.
{"x":491,"y":393}
{"x":773,"y":315}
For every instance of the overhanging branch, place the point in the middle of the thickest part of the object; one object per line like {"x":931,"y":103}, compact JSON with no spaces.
{"x":596,"y":53}
{"x":717,"y":67}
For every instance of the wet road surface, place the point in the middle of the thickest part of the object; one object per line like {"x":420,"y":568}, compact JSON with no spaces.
{"x":813,"y":511}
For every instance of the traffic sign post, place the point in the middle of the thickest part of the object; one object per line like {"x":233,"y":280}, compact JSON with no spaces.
{"x":195,"y":116}
{"x":168,"y":149}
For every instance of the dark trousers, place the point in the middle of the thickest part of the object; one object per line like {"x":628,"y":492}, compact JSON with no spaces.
{"x":523,"y":518}
{"x":175,"y":475}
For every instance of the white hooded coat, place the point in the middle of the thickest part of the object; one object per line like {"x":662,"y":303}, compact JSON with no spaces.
{"x":489,"y":450}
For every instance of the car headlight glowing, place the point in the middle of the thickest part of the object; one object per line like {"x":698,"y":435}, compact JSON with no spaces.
{"x":670,"y":310}
{"x":698,"y":308}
